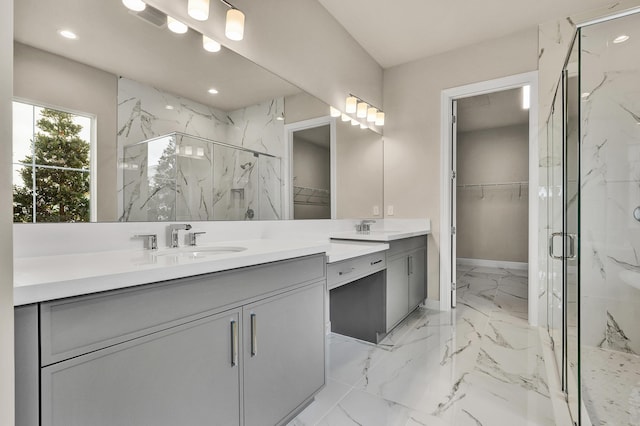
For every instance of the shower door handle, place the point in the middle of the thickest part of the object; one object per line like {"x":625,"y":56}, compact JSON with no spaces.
{"x":572,"y":246}
{"x":555,"y":234}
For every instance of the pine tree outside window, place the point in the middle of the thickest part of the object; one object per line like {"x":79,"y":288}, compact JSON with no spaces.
{"x":51,"y":165}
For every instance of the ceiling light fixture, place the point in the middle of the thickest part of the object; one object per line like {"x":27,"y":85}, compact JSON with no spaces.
{"x":621,"y":38}
{"x":176,"y":26}
{"x":350,"y":104}
{"x":68,"y":34}
{"x":334,"y":112}
{"x":526,"y":97}
{"x":135,"y":5}
{"x":210,"y":45}
{"x":198,"y":9}
{"x":379,"y":119}
{"x":234,"y":29}
{"x":212,"y":91}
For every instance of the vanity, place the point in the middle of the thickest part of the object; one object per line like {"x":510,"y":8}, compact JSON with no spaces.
{"x":242,"y":346}
{"x":372,"y":293}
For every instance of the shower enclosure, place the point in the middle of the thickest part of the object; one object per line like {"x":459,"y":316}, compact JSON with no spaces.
{"x":593,"y":218}
{"x":178,"y":177}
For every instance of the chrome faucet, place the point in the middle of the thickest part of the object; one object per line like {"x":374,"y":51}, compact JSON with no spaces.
{"x":174,"y":233}
{"x":364,"y":226}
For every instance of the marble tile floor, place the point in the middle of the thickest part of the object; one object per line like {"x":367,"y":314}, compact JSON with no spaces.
{"x":479,"y":365}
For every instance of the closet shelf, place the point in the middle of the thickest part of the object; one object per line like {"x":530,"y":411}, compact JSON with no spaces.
{"x":306,"y":196}
{"x":487,"y":185}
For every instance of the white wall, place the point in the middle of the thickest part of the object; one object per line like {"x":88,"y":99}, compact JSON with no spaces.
{"x":492,"y":221}
{"x":6,"y":217}
{"x":412,"y":134}
{"x":42,"y":77}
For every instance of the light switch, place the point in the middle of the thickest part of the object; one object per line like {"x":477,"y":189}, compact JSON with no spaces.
{"x":390,"y":210}
{"x":376,"y":210}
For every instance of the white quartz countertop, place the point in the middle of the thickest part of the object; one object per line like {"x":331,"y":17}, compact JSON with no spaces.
{"x":38,"y":279}
{"x":343,"y":250}
{"x":380,"y":234}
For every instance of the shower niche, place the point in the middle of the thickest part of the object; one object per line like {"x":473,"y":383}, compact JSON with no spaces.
{"x":178,"y":177}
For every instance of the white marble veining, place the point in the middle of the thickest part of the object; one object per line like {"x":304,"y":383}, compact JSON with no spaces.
{"x":207,"y":181}
{"x":43,"y":278}
{"x":480,"y":364}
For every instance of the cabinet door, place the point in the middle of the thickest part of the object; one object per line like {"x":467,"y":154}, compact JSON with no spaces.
{"x":397,"y":291}
{"x":283,"y":354}
{"x":417,"y":287}
{"x":185,"y":375}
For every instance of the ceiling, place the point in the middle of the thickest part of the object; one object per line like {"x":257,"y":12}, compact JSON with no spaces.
{"x":492,"y":110}
{"x":112,"y":38}
{"x":395,"y":32}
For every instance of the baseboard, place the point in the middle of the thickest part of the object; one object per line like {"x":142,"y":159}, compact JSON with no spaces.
{"x":432,"y":304}
{"x":492,"y":263}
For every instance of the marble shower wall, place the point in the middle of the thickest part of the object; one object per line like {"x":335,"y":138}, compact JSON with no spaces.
{"x":610,"y":187}
{"x":218,"y":184}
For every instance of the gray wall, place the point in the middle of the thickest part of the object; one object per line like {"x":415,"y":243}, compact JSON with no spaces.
{"x":492,"y":224}
{"x":52,"y":80}
{"x":412,"y":134}
{"x":6,"y":216}
{"x":312,"y":169}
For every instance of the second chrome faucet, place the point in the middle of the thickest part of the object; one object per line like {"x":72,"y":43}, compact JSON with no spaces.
{"x":173,"y":229}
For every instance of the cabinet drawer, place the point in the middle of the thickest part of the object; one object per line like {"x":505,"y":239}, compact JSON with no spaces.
{"x":401,"y":246}
{"x":340,"y":273}
{"x":72,"y":327}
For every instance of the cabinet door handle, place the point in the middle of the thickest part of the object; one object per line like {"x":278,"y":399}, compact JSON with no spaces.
{"x":346,"y":272}
{"x":376,"y":262}
{"x":234,"y":343}
{"x":410,"y":264}
{"x":254,"y":336}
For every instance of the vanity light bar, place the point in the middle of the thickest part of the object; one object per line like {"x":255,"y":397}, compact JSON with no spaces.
{"x":363,"y":109}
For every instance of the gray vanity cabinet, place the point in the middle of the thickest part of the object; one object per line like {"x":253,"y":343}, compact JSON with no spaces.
{"x":187,"y":375}
{"x":406,"y":273}
{"x":283,"y":359}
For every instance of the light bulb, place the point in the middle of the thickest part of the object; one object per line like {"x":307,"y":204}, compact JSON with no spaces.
{"x":350,"y":105}
{"x":334,"y":112}
{"x":135,"y":5}
{"x":371,"y":114}
{"x":379,"y":119}
{"x":362,"y":110}
{"x":345,"y":117}
{"x":176,"y":26}
{"x":210,"y":45}
{"x":198,"y":9}
{"x":234,"y":29}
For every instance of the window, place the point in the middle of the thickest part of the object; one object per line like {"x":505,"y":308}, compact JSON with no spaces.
{"x":51,"y":165}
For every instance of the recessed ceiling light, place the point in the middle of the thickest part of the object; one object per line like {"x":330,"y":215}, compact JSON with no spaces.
{"x":135,"y":5}
{"x":68,"y":34}
{"x":213,"y":91}
{"x":621,"y":38}
{"x":176,"y":26}
{"x":168,"y":107}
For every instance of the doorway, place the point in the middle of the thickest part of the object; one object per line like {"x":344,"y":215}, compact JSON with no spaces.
{"x":310,"y":179}
{"x":484,"y":194}
{"x":490,"y":198}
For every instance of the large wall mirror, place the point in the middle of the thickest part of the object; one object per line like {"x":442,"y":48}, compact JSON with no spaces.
{"x":131,"y":122}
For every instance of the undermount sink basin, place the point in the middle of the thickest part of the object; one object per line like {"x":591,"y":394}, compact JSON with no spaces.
{"x":631,"y":277}
{"x":199,"y":252}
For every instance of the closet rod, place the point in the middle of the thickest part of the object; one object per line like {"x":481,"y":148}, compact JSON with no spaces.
{"x":477,"y":185}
